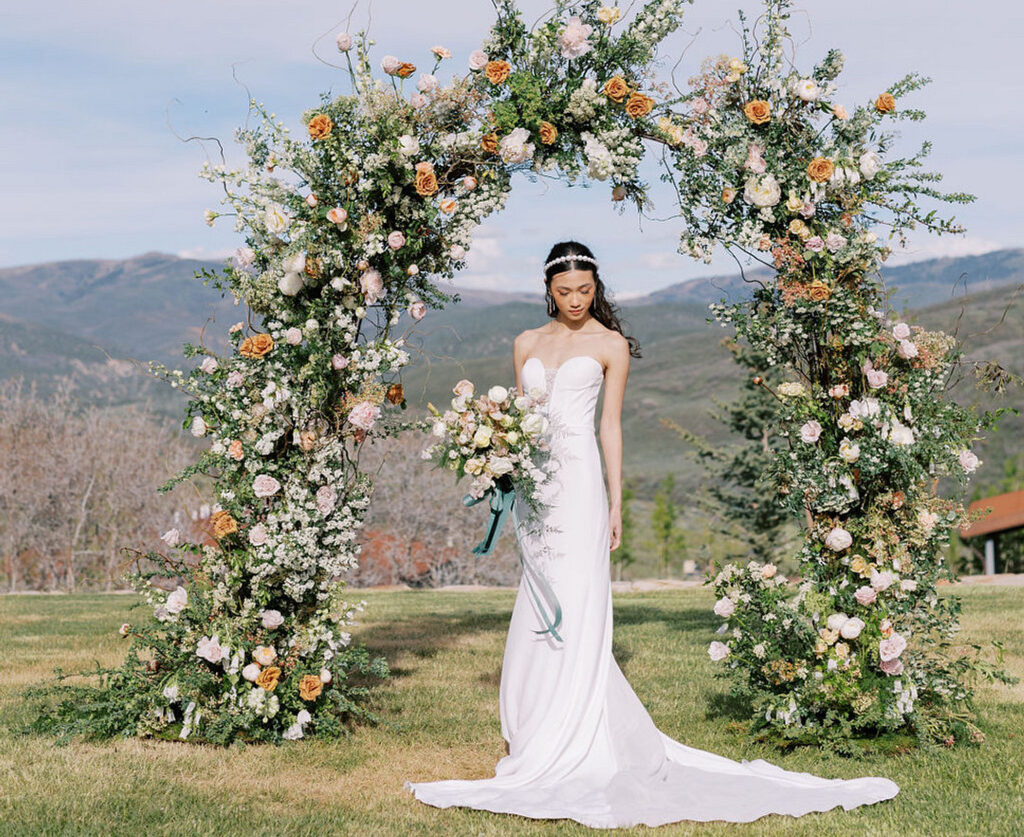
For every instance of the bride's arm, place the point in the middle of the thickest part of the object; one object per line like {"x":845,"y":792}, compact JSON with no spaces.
{"x":611,"y":430}
{"x":518,"y":358}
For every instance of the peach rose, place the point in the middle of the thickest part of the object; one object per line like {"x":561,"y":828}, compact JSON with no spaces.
{"x":448,"y":205}
{"x":489,"y":143}
{"x":497,"y":71}
{"x":268,"y":678}
{"x":639,"y":105}
{"x":839,"y":112}
{"x":223,"y":524}
{"x":818,"y":291}
{"x":820,"y":169}
{"x":548,"y":133}
{"x":757,"y":111}
{"x":885,"y":103}
{"x":395,"y":394}
{"x":616,"y":88}
{"x":426,"y":180}
{"x":310,"y":687}
{"x":256,"y":346}
{"x":235,"y":450}
{"x":728,"y":194}
{"x":320,"y":126}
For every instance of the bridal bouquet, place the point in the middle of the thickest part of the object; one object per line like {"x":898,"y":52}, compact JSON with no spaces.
{"x":497,"y":439}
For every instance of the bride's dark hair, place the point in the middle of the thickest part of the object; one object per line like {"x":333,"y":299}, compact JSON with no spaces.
{"x":601,"y":309}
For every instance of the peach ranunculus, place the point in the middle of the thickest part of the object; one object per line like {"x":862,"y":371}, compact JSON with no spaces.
{"x":320,"y":126}
{"x":639,"y":105}
{"x":818,"y":291}
{"x":448,"y":205}
{"x":426,"y":180}
{"x":235,"y":450}
{"x":310,"y":687}
{"x":728,"y":194}
{"x":820,"y":169}
{"x":885,"y":103}
{"x":758,"y":111}
{"x":256,"y":346}
{"x":405,"y":69}
{"x":497,"y":71}
{"x":839,"y":112}
{"x":548,"y":133}
{"x":223,"y":524}
{"x":616,"y":88}
{"x":268,"y":678}
{"x":489,"y":143}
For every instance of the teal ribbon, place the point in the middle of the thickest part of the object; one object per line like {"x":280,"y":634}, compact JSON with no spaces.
{"x":502,"y":499}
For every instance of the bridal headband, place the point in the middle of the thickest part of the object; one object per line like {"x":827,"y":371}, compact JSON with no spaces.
{"x":571,"y":258}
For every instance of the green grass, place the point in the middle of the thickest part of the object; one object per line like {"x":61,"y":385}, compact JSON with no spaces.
{"x":442,"y":709}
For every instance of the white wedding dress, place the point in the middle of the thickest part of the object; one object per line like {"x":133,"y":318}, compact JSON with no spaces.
{"x":581,"y":744}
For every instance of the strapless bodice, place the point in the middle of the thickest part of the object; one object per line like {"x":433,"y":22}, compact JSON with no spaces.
{"x":572,"y":390}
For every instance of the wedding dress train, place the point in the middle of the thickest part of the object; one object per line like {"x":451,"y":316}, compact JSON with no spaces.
{"x":581,"y":744}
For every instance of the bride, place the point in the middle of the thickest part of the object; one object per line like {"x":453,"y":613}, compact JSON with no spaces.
{"x":580,"y":743}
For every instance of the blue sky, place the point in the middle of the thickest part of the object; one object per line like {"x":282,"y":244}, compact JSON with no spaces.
{"x":94,"y":97}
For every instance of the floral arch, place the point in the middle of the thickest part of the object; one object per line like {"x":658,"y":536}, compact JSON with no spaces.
{"x":347,"y":230}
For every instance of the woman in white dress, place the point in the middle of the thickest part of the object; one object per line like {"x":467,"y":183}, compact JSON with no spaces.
{"x":580,"y":743}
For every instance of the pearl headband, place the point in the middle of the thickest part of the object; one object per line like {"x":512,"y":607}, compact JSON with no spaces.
{"x":570,"y":258}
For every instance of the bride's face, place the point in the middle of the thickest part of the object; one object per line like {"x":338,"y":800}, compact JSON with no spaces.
{"x":573,"y":291}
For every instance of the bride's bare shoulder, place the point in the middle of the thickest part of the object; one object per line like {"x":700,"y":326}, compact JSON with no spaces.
{"x":525,"y":338}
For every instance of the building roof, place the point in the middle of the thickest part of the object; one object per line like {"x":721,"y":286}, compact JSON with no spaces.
{"x":1007,"y":513}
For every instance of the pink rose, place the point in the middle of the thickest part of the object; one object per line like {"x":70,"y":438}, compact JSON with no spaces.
{"x":457,"y":252}
{"x":372,"y":286}
{"x":209,"y":365}
{"x":718,"y":651}
{"x":396,"y":240}
{"x":326,"y":497}
{"x":891,"y":667}
{"x":463,"y":389}
{"x":865,"y":595}
{"x":808,"y":209}
{"x":344,"y":41}
{"x":699,"y":106}
{"x":477,"y":59}
{"x":293,"y":336}
{"x":364,"y":414}
{"x":265,"y":485}
{"x":418,"y":100}
{"x":427,"y":83}
{"x":311,"y":200}
{"x":725,"y":607}
{"x":339,"y":361}
{"x":834,"y":241}
{"x":234,"y":379}
{"x":469,"y":183}
{"x":901,"y":331}
{"x":906,"y":349}
{"x":258,"y":535}
{"x":815,"y":244}
{"x":881,"y":580}
{"x":390,"y":64}
{"x":968,"y":461}
{"x":755,"y":162}
{"x":839,"y":391}
{"x":210,"y":650}
{"x":877,"y":378}
{"x":418,"y":310}
{"x":891,"y":648}
{"x":338,"y":215}
{"x":838,"y":539}
{"x":271,"y":619}
{"x":573,"y":38}
{"x":810,"y":432}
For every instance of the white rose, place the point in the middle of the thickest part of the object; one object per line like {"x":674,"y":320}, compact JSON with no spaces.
{"x":865,"y":408}
{"x":295,"y":263}
{"x":849,"y":451}
{"x":408,"y":145}
{"x":209,"y":365}
{"x":276,"y":219}
{"x":344,"y":41}
{"x":210,"y":650}
{"x":851,"y":628}
{"x":900,"y":434}
{"x":838,"y":539}
{"x":500,"y":465}
{"x":870,"y":164}
{"x":290,"y":284}
{"x":198,"y":427}
{"x":514,"y":147}
{"x":172,"y":537}
{"x":427,"y":83}
{"x":390,"y":64}
{"x":836,"y":621}
{"x":177,"y":601}
{"x":906,"y":349}
{"x":264,"y":655}
{"x":806,"y":89}
{"x":901,"y":331}
{"x":968,"y":461}
{"x":251,"y":672}
{"x":762,"y":191}
{"x":497,"y":394}
{"x":326,"y":676}
{"x":271,"y":619}
{"x":876,"y":378}
{"x":477,"y":59}
{"x":725,"y":607}
{"x":482,"y":437}
{"x":810,"y":432}
{"x":534,"y":424}
{"x":293,"y":336}
{"x":881,"y":580}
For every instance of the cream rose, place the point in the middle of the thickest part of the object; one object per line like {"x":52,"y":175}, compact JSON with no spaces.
{"x":762,"y":191}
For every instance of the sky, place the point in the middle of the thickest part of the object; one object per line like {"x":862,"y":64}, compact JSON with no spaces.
{"x":97,"y":98}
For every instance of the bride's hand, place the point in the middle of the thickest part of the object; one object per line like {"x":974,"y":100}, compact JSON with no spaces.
{"x":615,"y":529}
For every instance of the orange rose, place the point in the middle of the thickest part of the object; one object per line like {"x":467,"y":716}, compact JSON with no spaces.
{"x":548,"y":133}
{"x":820,"y":169}
{"x":639,"y":105}
{"x":405,"y":69}
{"x":885,"y":103}
{"x":312,"y":269}
{"x":489,"y":143}
{"x":223,"y":524}
{"x":310,"y":687}
{"x":320,"y":126}
{"x":256,"y":346}
{"x":846,"y":219}
{"x":426,"y":180}
{"x":497,"y":71}
{"x":616,"y":88}
{"x":395,"y":394}
{"x":758,"y":111}
{"x":818,"y":291}
{"x":235,"y":450}
{"x":268,"y":678}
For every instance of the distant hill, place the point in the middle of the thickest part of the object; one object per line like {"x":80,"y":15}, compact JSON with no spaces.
{"x":82,"y":320}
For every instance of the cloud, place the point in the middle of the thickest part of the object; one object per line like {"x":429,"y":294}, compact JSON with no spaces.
{"x":209,"y":254}
{"x":944,"y":247}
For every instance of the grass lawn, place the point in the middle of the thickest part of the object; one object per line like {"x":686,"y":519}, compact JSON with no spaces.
{"x":442,"y":709}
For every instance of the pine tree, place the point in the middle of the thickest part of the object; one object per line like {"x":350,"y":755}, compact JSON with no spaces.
{"x":624,"y":556}
{"x":668,"y":537}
